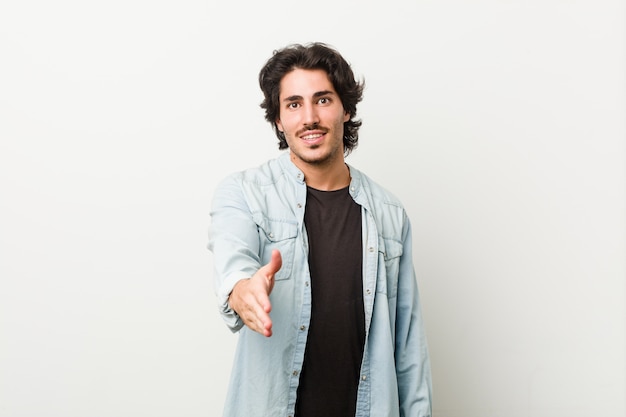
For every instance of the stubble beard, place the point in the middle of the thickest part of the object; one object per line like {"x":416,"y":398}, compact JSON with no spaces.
{"x":322,"y":160}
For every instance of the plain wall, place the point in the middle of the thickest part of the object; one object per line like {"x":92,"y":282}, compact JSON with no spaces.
{"x":500,"y":125}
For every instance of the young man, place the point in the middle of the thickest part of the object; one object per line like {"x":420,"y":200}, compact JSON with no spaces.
{"x":313,"y":262}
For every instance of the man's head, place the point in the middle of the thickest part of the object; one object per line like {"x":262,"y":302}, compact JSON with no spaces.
{"x":314,"y":56}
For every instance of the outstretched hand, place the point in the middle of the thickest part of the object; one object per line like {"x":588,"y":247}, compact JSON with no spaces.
{"x":250,"y":297}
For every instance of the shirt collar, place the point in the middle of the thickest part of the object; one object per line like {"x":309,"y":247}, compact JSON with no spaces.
{"x":297,"y":175}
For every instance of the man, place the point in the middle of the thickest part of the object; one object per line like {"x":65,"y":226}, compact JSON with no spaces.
{"x":313,"y":262}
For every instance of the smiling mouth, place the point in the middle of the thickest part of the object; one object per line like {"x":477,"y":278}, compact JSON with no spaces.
{"x":312,"y":136}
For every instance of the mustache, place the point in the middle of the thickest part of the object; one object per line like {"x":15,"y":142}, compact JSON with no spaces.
{"x":314,"y":126}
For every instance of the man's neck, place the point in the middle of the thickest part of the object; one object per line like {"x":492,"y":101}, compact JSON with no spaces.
{"x":326,"y":177}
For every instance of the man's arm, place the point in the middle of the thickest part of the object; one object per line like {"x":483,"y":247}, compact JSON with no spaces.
{"x":233,"y":239}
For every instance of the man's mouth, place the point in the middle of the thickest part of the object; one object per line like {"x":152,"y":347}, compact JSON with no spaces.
{"x":312,"y":136}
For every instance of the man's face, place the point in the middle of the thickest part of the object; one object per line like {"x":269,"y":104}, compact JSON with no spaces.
{"x":311,"y":117}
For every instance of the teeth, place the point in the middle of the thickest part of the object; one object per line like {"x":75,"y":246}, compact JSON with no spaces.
{"x":309,"y":137}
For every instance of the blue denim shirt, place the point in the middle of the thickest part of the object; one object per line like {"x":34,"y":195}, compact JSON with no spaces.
{"x":262,"y":209}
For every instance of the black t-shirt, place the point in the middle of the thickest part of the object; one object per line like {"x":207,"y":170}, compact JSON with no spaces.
{"x":334,"y":349}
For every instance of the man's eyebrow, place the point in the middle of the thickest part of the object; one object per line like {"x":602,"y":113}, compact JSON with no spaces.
{"x":292,"y":98}
{"x":315,"y":95}
{"x":323,"y":93}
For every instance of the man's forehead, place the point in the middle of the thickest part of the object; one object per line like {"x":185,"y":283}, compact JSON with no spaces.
{"x":305,"y":83}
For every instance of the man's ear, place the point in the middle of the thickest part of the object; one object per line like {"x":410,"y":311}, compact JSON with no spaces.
{"x":279,"y":125}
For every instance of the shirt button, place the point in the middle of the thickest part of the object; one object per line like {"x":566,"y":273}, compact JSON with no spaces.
{"x":306,"y":284}
{"x":295,"y":373}
{"x":364,"y":377}
{"x":299,"y":205}
{"x":302,"y":327}
{"x":371,"y":249}
{"x":272,"y":235}
{"x":368,"y":291}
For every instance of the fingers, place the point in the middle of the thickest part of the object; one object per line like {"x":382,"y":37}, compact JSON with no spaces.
{"x":250,"y":300}
{"x":258,"y":318}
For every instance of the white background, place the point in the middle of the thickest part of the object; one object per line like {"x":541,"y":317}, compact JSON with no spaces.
{"x":500,"y":124}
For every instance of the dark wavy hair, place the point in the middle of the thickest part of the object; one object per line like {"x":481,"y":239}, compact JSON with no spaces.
{"x":315,"y":55}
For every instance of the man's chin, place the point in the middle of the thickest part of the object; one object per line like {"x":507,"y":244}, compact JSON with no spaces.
{"x":307,"y":158}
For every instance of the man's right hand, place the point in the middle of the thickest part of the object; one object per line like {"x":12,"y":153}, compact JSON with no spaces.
{"x":250,"y":297}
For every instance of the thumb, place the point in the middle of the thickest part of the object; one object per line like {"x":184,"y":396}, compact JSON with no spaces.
{"x":275,"y":263}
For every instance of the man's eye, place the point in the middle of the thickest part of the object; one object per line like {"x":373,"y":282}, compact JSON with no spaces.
{"x":324,"y":100}
{"x":292,"y":105}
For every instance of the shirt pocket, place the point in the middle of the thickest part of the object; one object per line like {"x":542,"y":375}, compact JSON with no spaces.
{"x":390,"y":251}
{"x":281,"y":235}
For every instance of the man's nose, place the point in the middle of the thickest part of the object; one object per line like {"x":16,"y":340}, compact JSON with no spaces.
{"x":311,"y":116}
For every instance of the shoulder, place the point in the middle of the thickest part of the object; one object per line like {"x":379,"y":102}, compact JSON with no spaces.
{"x":386,"y":210}
{"x":266,"y":188}
{"x":267,"y":173}
{"x":378,"y":194}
